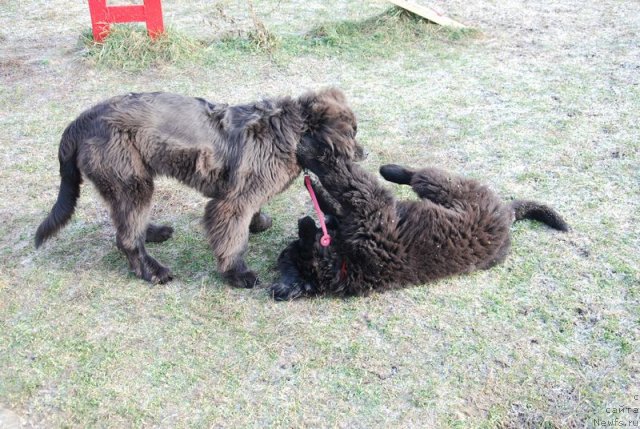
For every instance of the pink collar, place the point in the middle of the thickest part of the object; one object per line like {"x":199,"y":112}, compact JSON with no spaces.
{"x":325,"y":240}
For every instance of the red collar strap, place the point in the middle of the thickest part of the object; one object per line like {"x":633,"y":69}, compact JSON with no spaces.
{"x":343,"y":270}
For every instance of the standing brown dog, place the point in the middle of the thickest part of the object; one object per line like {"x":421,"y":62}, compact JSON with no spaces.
{"x":238,"y":156}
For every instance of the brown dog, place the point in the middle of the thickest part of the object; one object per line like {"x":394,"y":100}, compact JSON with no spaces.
{"x":238,"y":156}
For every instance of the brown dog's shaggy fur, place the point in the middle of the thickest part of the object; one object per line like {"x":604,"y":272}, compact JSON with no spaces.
{"x":238,"y":156}
{"x":379,"y":243}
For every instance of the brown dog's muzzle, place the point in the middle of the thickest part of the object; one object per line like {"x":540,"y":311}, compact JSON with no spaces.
{"x":361,"y":153}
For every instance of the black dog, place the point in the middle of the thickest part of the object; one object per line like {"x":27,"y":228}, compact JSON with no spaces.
{"x":378,"y":243}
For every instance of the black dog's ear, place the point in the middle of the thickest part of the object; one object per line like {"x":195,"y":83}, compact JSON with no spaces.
{"x":307,"y":229}
{"x":396,"y":174}
{"x":312,"y":152}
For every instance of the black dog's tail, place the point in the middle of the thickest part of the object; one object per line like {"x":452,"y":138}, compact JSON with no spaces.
{"x":70,"y":180}
{"x":532,"y":210}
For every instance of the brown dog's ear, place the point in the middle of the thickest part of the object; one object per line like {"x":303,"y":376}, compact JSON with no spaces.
{"x":307,"y":99}
{"x":334,"y":93}
{"x":315,"y":103}
{"x":314,"y":110}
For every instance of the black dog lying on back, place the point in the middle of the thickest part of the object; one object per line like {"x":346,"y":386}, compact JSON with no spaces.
{"x":379,"y":243}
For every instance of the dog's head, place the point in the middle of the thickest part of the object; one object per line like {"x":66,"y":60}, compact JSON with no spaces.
{"x":330,"y":128}
{"x":314,"y":262}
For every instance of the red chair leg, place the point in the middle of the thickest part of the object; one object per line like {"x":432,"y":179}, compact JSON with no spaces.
{"x":153,"y":12}
{"x":102,"y":16}
{"x":99,"y":20}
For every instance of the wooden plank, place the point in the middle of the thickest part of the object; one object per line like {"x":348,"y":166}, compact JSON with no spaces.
{"x":428,"y":13}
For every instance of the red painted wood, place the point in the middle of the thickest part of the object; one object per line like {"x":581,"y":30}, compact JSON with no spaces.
{"x":153,"y":10}
{"x":132,"y":13}
{"x":102,"y":16}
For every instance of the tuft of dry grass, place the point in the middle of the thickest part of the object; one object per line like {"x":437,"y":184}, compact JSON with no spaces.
{"x":262,"y":38}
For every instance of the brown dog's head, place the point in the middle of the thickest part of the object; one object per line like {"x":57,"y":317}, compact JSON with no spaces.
{"x":330,"y":128}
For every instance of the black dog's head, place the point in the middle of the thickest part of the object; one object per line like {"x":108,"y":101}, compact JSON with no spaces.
{"x":330,"y":128}
{"x":305,"y":264}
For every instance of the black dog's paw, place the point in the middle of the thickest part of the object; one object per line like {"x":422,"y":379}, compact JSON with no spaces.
{"x":241,"y":279}
{"x":307,"y":229}
{"x":285,"y":292}
{"x":313,"y":156}
{"x":396,"y":174}
{"x":315,"y":165}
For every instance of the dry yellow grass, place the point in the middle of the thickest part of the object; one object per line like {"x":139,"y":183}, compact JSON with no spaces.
{"x":541,"y":102}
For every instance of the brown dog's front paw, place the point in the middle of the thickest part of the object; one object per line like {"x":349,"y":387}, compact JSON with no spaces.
{"x":260,"y":222}
{"x":155,"y":272}
{"x":282,"y":291}
{"x":162,"y":276}
{"x":244,"y":279}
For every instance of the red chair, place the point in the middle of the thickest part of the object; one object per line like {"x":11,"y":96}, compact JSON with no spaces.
{"x":102,"y":16}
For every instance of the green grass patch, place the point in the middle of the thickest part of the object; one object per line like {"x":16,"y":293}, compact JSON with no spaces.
{"x":128,"y":47}
{"x":380,"y":35}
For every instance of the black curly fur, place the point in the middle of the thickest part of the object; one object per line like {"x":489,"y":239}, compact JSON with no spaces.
{"x":379,"y":243}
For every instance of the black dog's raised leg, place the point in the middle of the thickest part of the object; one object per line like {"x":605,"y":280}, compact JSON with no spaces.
{"x":292,"y":284}
{"x":396,"y":174}
{"x":358,"y":192}
{"x":435,"y":185}
{"x":327,"y":203}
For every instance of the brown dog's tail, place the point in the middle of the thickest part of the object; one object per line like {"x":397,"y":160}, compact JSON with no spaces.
{"x":70,"y":180}
{"x":532,"y":210}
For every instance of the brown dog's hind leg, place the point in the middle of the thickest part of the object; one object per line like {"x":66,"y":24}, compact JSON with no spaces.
{"x":129,"y":211}
{"x":227,"y":229}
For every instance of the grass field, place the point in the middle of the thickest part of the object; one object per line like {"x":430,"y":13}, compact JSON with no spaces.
{"x":541,"y":100}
